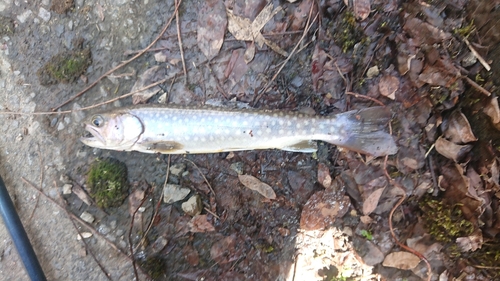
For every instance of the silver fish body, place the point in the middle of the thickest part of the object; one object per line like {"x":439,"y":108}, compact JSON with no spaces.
{"x":176,"y":129}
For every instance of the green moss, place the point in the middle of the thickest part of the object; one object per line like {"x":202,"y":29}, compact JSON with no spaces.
{"x":367,"y":234}
{"x":348,"y":33}
{"x":465,"y":31}
{"x":155,"y":267}
{"x":6,"y":26}
{"x":444,"y":222}
{"x":107,"y":182}
{"x":65,"y":67}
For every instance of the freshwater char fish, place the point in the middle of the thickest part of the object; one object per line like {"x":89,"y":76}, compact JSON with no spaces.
{"x":179,"y":129}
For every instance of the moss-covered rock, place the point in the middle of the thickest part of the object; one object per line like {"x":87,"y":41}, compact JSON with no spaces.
{"x":107,"y":182}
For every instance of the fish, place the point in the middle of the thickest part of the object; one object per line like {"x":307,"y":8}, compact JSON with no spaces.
{"x":175,"y":129}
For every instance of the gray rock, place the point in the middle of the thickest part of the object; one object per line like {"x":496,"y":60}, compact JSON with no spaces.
{"x":193,"y":206}
{"x":237,"y":167}
{"x":177,"y":169}
{"x":173,"y":193}
{"x":87,"y":217}
{"x":67,"y":188}
{"x":44,"y":14}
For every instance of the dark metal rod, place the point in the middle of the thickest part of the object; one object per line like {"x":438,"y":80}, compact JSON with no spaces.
{"x":19,"y":236}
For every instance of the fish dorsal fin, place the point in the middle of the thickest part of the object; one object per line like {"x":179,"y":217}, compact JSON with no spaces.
{"x":306,"y":146}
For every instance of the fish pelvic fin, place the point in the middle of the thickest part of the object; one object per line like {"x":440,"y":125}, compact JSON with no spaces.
{"x":364,"y":131}
{"x":306,"y":146}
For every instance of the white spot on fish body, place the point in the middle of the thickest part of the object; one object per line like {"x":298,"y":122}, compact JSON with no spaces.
{"x":289,"y":123}
{"x":281,"y":122}
{"x":281,"y":132}
{"x":298,"y":125}
{"x":268,"y":130}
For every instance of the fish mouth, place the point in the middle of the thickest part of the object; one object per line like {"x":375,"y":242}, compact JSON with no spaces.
{"x":92,"y":137}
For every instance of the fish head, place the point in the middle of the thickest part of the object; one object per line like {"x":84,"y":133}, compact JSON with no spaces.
{"x":116,"y":131}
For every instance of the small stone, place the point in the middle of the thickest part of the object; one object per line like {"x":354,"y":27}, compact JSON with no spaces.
{"x":44,"y":14}
{"x":120,"y":232}
{"x":112,"y":224}
{"x":372,"y":72}
{"x":67,"y":188}
{"x":237,"y":167}
{"x":193,"y":206}
{"x":177,"y":169}
{"x":24,"y":16}
{"x":87,"y":217}
{"x":83,"y":235}
{"x":173,"y":193}
{"x":53,"y":122}
{"x":60,"y":126}
{"x":103,"y":229}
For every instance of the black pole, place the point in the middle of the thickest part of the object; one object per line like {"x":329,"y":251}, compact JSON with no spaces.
{"x":18,"y":235}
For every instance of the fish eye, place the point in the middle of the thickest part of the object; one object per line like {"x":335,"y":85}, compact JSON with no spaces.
{"x":97,"y":120}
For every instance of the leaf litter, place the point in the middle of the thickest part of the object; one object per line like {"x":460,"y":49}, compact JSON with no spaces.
{"x":445,"y":127}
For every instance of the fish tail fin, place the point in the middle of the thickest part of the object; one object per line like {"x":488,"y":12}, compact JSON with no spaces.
{"x":364,"y":131}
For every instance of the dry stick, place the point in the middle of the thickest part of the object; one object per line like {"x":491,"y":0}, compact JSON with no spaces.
{"x":157,"y":209}
{"x":90,"y":106}
{"x":403,"y":198}
{"x":82,"y":222}
{"x":196,"y":166}
{"x":477,"y":55}
{"x":477,"y":86}
{"x":306,"y":30}
{"x":130,"y":244}
{"x":122,"y":64}
{"x":365,"y":97}
{"x":177,"y":4}
{"x":91,"y":252}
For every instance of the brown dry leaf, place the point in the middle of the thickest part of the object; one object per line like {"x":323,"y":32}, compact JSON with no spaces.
{"x":255,"y":184}
{"x":245,"y":30}
{"x":324,"y":177}
{"x":361,"y":8}
{"x":152,"y":75}
{"x":450,"y":150}
{"x":457,"y":128}
{"x":371,"y":202}
{"x":134,"y":200}
{"x":199,"y":223}
{"x":401,"y":260}
{"x":424,"y":33}
{"x":492,"y":110}
{"x":212,"y":23}
{"x":323,"y":208}
{"x":470,"y":243}
{"x":221,"y":250}
{"x":388,"y":86}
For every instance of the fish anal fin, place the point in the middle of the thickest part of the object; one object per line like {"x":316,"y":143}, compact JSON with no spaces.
{"x":306,"y":146}
{"x":164,"y":147}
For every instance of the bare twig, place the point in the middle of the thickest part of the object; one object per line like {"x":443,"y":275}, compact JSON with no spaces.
{"x":365,"y":97}
{"x":130,"y":244}
{"x":123,"y":63}
{"x":196,"y":166}
{"x":391,"y":214}
{"x":477,"y":86}
{"x":82,"y":222}
{"x":477,"y":55}
{"x":309,"y":24}
{"x":157,"y":209}
{"x":177,"y":4}
{"x":91,"y":252}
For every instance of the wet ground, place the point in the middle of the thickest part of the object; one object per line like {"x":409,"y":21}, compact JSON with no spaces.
{"x":329,"y":220}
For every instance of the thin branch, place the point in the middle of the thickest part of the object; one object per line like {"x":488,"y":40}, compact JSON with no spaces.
{"x":123,"y":63}
{"x":477,"y":55}
{"x":309,"y":24}
{"x":196,"y":166}
{"x":177,"y":4}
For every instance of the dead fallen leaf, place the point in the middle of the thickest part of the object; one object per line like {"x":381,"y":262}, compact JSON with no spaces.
{"x":424,"y":33}
{"x":212,"y":24}
{"x":388,"y":86}
{"x":492,"y":110}
{"x":199,"y":224}
{"x":371,"y":202}
{"x":361,"y":8}
{"x":450,"y":150}
{"x":457,"y":128}
{"x":470,"y":243}
{"x":401,"y":260}
{"x":255,"y":184}
{"x":154,"y":74}
{"x":78,"y":191}
{"x":245,"y":30}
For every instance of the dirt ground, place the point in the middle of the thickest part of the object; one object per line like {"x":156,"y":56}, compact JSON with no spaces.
{"x":330,"y":217}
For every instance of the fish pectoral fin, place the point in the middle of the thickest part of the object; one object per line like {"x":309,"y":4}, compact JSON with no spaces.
{"x":164,"y":147}
{"x":306,"y":146}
